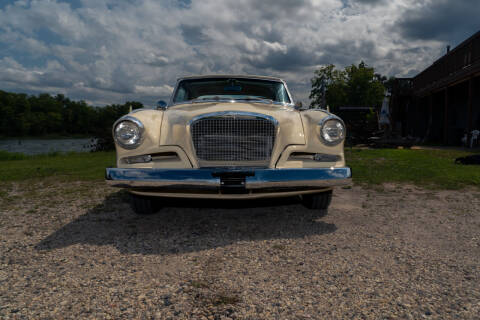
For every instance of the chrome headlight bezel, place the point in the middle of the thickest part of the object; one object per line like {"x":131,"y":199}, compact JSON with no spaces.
{"x":141,"y":131}
{"x":322,"y":124}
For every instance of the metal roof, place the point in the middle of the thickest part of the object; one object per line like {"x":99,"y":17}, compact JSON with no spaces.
{"x":451,"y":52}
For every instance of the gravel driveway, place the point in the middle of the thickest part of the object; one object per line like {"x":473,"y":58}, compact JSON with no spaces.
{"x":78,"y":251}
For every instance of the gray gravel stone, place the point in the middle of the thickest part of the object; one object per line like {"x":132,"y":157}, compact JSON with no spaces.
{"x":76,"y":250}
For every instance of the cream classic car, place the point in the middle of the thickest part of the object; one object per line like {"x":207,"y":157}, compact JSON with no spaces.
{"x":229,"y":137}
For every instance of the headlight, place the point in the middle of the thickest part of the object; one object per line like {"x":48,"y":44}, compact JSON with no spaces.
{"x":128,"y":132}
{"x":332,"y":130}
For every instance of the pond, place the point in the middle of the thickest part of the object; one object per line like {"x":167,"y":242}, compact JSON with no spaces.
{"x":38,"y":146}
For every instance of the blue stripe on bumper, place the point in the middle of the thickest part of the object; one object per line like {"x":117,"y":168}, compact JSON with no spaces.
{"x":210,"y":177}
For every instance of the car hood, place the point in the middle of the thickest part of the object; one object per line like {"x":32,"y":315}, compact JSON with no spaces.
{"x":176,"y":119}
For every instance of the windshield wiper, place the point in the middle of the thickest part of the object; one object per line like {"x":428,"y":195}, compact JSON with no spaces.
{"x":257,"y":99}
{"x":216,"y":98}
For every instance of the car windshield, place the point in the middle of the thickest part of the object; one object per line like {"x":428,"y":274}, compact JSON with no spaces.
{"x":231,"y":89}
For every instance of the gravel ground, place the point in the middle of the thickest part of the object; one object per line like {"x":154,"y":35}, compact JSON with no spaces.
{"x":78,"y":251}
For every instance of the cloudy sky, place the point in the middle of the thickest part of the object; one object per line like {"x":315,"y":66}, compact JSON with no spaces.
{"x":111,"y":51}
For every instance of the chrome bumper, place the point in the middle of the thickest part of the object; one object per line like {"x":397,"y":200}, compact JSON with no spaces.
{"x":248,"y":178}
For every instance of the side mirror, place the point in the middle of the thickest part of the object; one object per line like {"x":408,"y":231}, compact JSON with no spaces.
{"x":161,"y":105}
{"x":298,"y":105}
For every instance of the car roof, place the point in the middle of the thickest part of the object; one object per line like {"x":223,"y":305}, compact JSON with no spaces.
{"x":209,"y":76}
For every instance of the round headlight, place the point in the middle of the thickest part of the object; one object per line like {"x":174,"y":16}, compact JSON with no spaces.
{"x":128,"y":132}
{"x":332,"y":131}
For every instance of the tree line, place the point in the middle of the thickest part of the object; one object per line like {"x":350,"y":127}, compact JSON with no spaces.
{"x":44,"y":114}
{"x":353,"y":86}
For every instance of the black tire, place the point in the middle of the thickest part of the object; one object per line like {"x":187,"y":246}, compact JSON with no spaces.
{"x":143,"y":205}
{"x":319,"y":201}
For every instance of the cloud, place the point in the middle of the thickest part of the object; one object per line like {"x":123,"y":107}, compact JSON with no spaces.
{"x":449,"y":21}
{"x":286,"y":59}
{"x":107,"y":51}
{"x":374,"y":2}
{"x":152,"y":90}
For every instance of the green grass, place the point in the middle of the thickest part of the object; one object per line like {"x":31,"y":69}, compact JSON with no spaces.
{"x":66,"y":166}
{"x":427,"y":168}
{"x":221,"y":299}
{"x":52,"y":136}
{"x":199,"y":284}
{"x":4,"y":155}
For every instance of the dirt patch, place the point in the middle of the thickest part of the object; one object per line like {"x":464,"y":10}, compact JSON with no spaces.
{"x":78,"y":251}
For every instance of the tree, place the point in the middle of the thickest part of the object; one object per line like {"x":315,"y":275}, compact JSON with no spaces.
{"x":353,"y":86}
{"x":44,"y":114}
{"x":327,"y":79}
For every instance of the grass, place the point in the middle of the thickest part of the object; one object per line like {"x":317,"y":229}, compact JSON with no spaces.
{"x":4,"y":155}
{"x":427,"y":168}
{"x":52,"y":136}
{"x":221,"y":299}
{"x":66,"y":166}
{"x":278,"y":247}
{"x":199,"y":284}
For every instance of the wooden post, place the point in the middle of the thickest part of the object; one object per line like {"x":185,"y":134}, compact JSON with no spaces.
{"x":445,"y":118}
{"x":470,"y":110}
{"x":430,"y":117}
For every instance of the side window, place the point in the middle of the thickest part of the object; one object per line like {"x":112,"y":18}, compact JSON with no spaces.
{"x":180,"y":96}
{"x":281,"y":94}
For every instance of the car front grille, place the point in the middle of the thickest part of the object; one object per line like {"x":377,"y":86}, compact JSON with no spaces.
{"x":233,"y":137}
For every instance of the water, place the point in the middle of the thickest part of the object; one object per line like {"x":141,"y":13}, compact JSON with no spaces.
{"x":38,"y":146}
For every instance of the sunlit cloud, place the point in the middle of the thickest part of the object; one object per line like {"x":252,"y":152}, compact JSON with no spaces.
{"x":106,"y":51}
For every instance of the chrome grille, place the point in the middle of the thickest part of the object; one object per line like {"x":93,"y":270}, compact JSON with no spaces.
{"x":233,"y":138}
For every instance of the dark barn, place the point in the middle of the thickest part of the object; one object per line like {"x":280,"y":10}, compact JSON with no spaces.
{"x":442,"y":103}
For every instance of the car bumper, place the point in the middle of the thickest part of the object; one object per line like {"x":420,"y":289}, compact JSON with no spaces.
{"x":248,"y":178}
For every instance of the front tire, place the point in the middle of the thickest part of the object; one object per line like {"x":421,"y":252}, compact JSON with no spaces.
{"x":319,"y":201}
{"x":143,"y":205}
